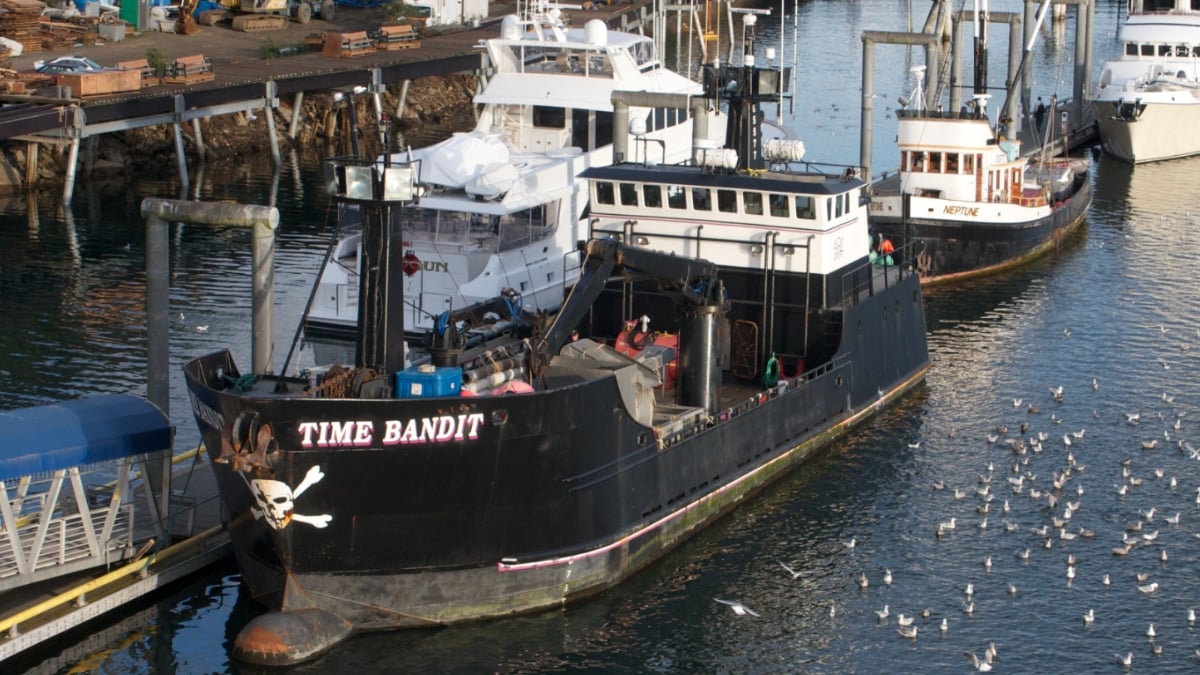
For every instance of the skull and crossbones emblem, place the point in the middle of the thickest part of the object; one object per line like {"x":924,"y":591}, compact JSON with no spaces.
{"x":275,"y":501}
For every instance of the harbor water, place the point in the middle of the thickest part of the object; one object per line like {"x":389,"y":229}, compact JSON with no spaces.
{"x":1109,"y":320}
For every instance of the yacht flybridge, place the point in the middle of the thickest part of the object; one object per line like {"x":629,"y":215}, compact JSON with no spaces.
{"x":502,"y":205}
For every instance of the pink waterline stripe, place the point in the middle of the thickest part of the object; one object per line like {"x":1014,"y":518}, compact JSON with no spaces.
{"x":516,"y":567}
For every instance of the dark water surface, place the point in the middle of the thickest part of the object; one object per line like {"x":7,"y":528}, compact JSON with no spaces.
{"x":1117,"y":306}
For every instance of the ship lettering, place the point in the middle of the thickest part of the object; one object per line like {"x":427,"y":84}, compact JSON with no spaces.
{"x":205,"y":413}
{"x":970,"y":211}
{"x":435,"y":266}
{"x":361,"y":433}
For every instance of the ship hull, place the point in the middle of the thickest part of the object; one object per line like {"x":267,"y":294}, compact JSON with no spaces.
{"x":516,"y":503}
{"x":950,"y":250}
{"x":1161,"y":131}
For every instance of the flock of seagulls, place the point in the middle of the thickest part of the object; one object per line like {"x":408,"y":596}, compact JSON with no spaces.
{"x":1035,"y":494}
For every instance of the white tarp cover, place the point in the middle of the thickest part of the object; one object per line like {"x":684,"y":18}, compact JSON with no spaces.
{"x":493,"y":181}
{"x":460,"y":159}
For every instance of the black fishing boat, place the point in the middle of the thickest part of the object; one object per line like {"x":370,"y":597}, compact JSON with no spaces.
{"x":507,"y":466}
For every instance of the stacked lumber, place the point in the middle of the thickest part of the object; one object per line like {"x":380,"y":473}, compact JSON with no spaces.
{"x":390,"y":38}
{"x":189,"y":70}
{"x":314,"y":42}
{"x":147,"y":74}
{"x":21,"y":22}
{"x":347,"y":45}
{"x":78,"y":31}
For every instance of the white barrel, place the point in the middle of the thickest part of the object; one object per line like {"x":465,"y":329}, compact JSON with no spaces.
{"x":783,"y":150}
{"x":718,"y":158}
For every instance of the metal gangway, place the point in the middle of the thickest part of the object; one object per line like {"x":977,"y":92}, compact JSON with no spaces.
{"x":66,"y":498}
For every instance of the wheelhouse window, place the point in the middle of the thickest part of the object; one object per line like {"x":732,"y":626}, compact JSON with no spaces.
{"x":752,"y":203}
{"x":676,"y":197}
{"x":1164,"y":50}
{"x":1131,"y":49}
{"x":701,"y":199}
{"x":969,"y":164}
{"x":664,"y":118}
{"x":951,"y":162}
{"x":652,"y":196}
{"x":778,"y":204}
{"x":605,"y":193}
{"x":935,"y":162}
{"x":805,"y":208}
{"x":629,"y":194}
{"x":1147,"y":50}
{"x":550,"y":118}
{"x":727,"y":201}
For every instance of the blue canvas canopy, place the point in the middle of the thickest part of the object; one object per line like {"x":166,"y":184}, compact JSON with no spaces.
{"x":72,"y":433}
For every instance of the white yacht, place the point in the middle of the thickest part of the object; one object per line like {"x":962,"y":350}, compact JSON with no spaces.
{"x":1148,"y":100}
{"x":503,"y":206}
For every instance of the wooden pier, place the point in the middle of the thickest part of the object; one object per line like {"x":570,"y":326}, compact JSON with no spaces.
{"x":239,"y":80}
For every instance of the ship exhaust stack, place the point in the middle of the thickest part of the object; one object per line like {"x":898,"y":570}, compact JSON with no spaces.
{"x":703,"y":354}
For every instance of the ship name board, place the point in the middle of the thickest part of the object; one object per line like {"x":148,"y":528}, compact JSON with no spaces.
{"x":969,"y":211}
{"x":413,"y":431}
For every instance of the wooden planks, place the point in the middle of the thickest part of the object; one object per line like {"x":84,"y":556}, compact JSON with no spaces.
{"x":189,"y":70}
{"x":391,"y":38}
{"x":347,"y":45}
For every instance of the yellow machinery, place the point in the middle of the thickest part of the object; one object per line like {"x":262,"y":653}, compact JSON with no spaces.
{"x":251,"y":16}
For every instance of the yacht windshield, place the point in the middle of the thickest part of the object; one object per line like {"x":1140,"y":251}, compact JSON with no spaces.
{"x":478,"y":231}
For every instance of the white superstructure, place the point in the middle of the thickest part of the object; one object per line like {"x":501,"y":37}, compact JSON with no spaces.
{"x":503,"y":203}
{"x":1148,"y":100}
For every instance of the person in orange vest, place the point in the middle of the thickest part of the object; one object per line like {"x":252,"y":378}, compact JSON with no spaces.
{"x":885,"y":251}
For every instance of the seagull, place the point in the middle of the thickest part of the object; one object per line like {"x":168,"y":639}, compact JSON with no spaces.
{"x":1089,"y":617}
{"x":737,"y":607}
{"x":882,"y":613}
{"x":202,"y":329}
{"x":970,"y":589}
{"x":1126,"y":660}
{"x":1149,"y":588}
{"x":1012,"y":590}
{"x":887,"y":576}
{"x":851,"y":544}
{"x":945,"y":626}
{"x":791,"y":571}
{"x":862,"y":580}
{"x":1107,"y":581}
{"x":905,"y":620}
{"x":981,"y":666}
{"x":1150,"y":632}
{"x":1191,"y":616}
{"x":909,"y":632}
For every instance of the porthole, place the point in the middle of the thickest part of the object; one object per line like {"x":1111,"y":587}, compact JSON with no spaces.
{"x":499,"y":416}
{"x":837,"y":381}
